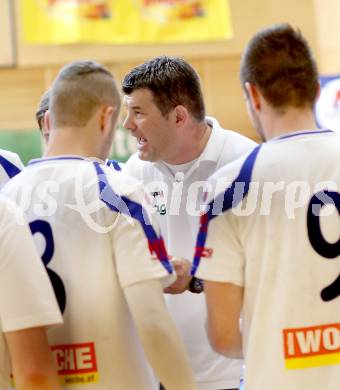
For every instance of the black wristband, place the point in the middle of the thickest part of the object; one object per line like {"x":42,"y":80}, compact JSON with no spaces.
{"x":196,"y":285}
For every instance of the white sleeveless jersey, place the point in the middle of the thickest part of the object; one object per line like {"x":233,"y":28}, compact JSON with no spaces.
{"x":93,"y":243}
{"x":274,"y":229}
{"x":10,"y":165}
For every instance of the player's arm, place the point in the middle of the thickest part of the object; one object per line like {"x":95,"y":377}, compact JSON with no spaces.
{"x":159,"y":335}
{"x":27,"y":303}
{"x":223,"y":275}
{"x":224,"y":303}
{"x":32,"y":362}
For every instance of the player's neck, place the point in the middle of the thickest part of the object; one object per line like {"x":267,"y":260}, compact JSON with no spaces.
{"x":288,"y":122}
{"x":68,"y":142}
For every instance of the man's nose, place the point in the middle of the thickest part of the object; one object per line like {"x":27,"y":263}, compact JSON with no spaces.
{"x":128,"y":123}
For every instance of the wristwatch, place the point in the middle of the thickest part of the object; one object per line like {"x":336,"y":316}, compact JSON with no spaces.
{"x":196,"y":285}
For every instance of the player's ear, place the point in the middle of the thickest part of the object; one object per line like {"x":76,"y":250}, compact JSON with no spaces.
{"x":46,"y":123}
{"x":181,"y":115}
{"x":107,"y":118}
{"x":318,"y":91}
{"x":253,"y":96}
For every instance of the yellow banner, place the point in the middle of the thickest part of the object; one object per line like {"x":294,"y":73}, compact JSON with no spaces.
{"x":125,"y":21}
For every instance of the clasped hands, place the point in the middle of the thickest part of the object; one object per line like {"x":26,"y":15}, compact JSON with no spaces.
{"x":182,"y":268}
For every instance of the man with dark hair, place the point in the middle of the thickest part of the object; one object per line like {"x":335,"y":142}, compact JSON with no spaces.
{"x":283,"y":68}
{"x":172,"y":81}
{"x":178,"y":149}
{"x":107,"y":263}
{"x":279,"y":264}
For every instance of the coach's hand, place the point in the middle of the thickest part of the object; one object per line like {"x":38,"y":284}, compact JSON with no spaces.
{"x":182,"y":268}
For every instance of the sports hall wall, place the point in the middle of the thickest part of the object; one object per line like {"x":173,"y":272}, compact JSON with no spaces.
{"x":27,"y":70}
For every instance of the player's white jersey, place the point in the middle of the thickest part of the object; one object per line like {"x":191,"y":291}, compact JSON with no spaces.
{"x":114,"y":164}
{"x":94,"y":243}
{"x":26,"y":295}
{"x":274,"y":230}
{"x":10,"y":165}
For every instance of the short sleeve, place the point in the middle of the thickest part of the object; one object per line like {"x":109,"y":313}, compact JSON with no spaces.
{"x":222,"y":259}
{"x":10,"y":166}
{"x":26,"y":295}
{"x":138,"y":247}
{"x":17,"y":162}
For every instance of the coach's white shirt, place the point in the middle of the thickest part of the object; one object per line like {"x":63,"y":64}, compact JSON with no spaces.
{"x":10,"y":165}
{"x":26,"y":296}
{"x":88,"y":225}
{"x":285,"y":257}
{"x":174,"y":196}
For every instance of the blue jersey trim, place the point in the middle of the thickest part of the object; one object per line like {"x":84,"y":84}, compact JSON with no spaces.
{"x":303,"y":133}
{"x":40,"y":160}
{"x":225,"y":201}
{"x":113,"y":164}
{"x":124,"y":205}
{"x":10,"y":169}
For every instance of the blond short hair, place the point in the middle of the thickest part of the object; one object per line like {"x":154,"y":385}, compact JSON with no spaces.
{"x":79,"y":89}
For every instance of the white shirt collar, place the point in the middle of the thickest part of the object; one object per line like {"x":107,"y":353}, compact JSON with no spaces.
{"x":294,"y":134}
{"x":211,"y":152}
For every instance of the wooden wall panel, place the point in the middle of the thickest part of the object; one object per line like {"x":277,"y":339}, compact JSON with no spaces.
{"x":224,"y":95}
{"x":247,"y":17}
{"x":328,"y":35}
{"x":20,"y":91}
{"x":217,"y":63}
{"x":7,"y":38}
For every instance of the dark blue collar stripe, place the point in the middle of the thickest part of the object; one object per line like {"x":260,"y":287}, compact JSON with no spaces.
{"x":304,"y":133}
{"x":113,"y":164}
{"x":124,"y":205}
{"x":41,"y":160}
{"x":11,"y":169}
{"x":225,"y":201}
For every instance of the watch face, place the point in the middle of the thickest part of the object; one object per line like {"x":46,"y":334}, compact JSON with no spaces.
{"x":196,"y":285}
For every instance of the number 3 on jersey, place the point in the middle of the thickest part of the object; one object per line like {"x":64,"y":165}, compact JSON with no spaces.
{"x":43,"y":227}
{"x":317,"y":240}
